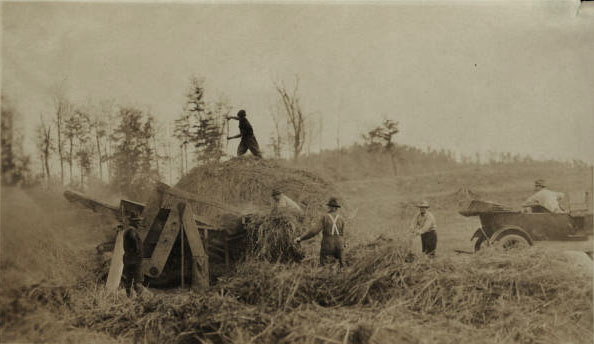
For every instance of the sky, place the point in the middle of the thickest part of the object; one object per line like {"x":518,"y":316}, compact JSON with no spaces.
{"x":505,"y":76}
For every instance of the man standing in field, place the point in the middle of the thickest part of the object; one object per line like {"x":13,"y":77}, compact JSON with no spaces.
{"x":423,"y":224}
{"x":544,"y":198}
{"x":280,"y":203}
{"x":332,"y":227}
{"x":246,"y":132}
{"x":132,"y":273}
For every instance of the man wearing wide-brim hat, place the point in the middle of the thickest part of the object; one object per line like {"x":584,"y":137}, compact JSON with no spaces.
{"x":543,"y":198}
{"x":423,"y":224}
{"x":332,"y":227}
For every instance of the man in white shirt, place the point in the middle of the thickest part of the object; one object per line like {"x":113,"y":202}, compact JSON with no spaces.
{"x":280,"y":202}
{"x":545,"y":198}
{"x":423,"y":224}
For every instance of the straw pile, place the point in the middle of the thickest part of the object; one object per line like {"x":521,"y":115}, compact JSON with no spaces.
{"x":494,"y":290}
{"x":527,"y":297}
{"x":247,"y":183}
{"x":270,"y":237}
{"x":455,"y":200}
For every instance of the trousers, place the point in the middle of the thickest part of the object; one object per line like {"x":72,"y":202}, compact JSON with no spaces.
{"x":429,"y":242}
{"x":251,"y":144}
{"x":332,"y":247}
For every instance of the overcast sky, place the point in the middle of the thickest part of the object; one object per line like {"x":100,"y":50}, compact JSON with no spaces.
{"x":489,"y":75}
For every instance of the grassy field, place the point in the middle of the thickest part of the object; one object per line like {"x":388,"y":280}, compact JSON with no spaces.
{"x":384,"y":206}
{"x":50,"y":290}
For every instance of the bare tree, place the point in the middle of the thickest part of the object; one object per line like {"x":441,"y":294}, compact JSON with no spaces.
{"x":76,"y":130}
{"x":276,"y":138}
{"x":294,"y":115}
{"x":45,"y":146}
{"x":62,"y":108}
{"x":112,"y":116}
{"x":160,"y":142}
{"x":98,"y":127}
{"x":314,"y":132}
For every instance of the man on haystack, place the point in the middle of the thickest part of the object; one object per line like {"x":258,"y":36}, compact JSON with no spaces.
{"x":332,"y":227}
{"x":543,"y":198}
{"x":246,"y":132}
{"x":423,"y":224}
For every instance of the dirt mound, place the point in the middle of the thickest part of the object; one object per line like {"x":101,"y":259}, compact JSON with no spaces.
{"x":247,"y":183}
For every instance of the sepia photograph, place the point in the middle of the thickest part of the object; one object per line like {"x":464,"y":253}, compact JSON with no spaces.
{"x":337,"y":171}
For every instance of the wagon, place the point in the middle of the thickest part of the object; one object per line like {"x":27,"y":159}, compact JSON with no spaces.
{"x":508,"y":228}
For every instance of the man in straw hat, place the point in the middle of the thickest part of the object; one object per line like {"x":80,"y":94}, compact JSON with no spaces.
{"x":281,"y":202}
{"x":543,"y":198}
{"x":423,"y":224}
{"x":332,"y":227}
{"x":246,"y":132}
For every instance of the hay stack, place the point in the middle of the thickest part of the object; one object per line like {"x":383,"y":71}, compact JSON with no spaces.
{"x":270,"y":237}
{"x":246,"y":183}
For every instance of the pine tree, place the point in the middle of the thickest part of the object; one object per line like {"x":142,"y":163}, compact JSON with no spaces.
{"x":200,"y":126}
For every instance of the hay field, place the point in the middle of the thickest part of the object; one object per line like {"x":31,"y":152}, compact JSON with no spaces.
{"x":387,"y":294}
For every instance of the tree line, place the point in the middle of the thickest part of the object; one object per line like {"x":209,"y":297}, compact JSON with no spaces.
{"x":124,"y":147}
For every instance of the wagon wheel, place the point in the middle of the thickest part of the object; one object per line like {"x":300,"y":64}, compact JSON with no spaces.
{"x":512,"y":241}
{"x":478,"y":243}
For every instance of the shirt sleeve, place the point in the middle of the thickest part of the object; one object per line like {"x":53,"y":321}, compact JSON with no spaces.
{"x":314,"y":231}
{"x":532,"y":200}
{"x":291,"y":204}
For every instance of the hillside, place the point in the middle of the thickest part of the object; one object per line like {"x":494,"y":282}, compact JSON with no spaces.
{"x":358,"y":162}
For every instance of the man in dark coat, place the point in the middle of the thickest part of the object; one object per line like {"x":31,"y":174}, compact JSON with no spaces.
{"x":246,"y":132}
{"x":332,"y":227}
{"x":132,"y":273}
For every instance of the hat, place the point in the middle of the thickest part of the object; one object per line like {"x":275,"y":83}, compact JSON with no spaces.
{"x":241,"y":113}
{"x":540,"y":182}
{"x":423,"y":204}
{"x":276,"y":192}
{"x":333,"y":203}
